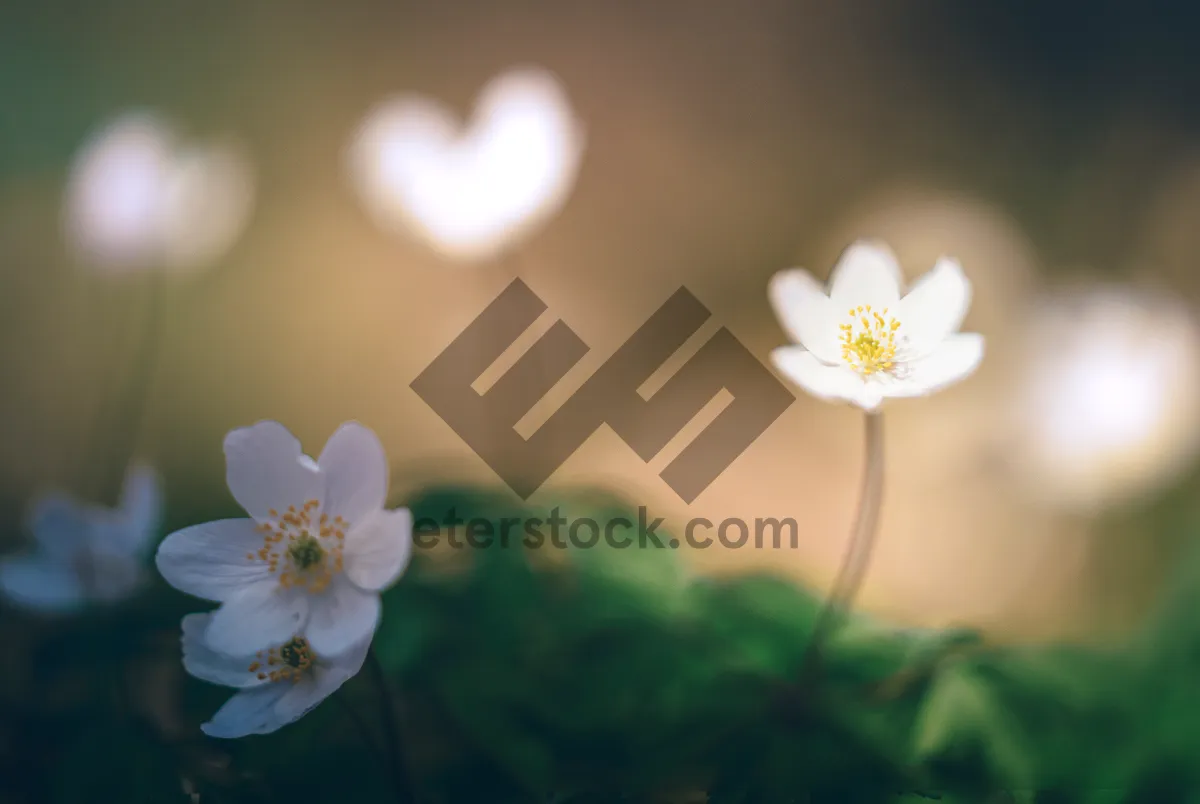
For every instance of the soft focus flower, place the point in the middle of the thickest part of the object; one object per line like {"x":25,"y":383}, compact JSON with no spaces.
{"x":314,"y":555}
{"x":1113,"y":409}
{"x":140,"y":196}
{"x":470,"y":190}
{"x":863,"y":343}
{"x":85,"y":553}
{"x":276,"y":686}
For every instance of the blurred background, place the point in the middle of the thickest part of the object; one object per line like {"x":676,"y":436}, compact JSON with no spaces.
{"x":1053,"y":154}
{"x":215,"y":214}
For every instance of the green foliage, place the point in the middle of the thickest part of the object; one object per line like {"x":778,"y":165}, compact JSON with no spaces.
{"x":608,"y":675}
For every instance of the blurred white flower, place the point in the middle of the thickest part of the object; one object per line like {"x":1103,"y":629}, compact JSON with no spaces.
{"x":863,"y":343}
{"x":1109,"y":398}
{"x":140,"y":197}
{"x":276,"y":686}
{"x":470,"y":190}
{"x":314,"y":555}
{"x":85,"y":553}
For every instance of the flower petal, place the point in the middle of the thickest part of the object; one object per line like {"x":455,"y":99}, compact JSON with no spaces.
{"x":934,"y":308}
{"x":211,"y":560}
{"x":270,"y":706}
{"x":251,"y":711}
{"x":109,"y":576}
{"x":206,"y":664}
{"x":41,"y":583}
{"x":806,"y":313}
{"x":955,"y":359}
{"x":342,"y":617}
{"x":264,"y":470}
{"x":347,"y":663}
{"x":378,"y":550}
{"x":356,"y":473}
{"x":306,"y":695}
{"x":262,"y":615}
{"x":867,"y":273}
{"x":831,"y":383}
{"x":141,"y":507}
{"x":60,"y":524}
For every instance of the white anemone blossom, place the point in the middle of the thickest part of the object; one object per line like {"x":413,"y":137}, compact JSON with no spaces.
{"x":276,"y":686}
{"x":315,"y":553}
{"x":85,"y":553}
{"x":862,"y":343}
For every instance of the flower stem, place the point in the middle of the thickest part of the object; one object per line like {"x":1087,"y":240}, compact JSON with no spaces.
{"x":395,"y":750}
{"x":364,"y":731}
{"x":858,"y":555}
{"x":132,"y":410}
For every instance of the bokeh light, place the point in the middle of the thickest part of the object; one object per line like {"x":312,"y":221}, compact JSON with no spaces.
{"x":1109,"y":396}
{"x":140,"y":197}
{"x":470,"y":189}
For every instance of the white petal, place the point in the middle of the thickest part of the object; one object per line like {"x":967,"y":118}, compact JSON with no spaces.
{"x":141,"y":506}
{"x":262,"y":615}
{"x":867,"y":273}
{"x":112,"y":536}
{"x":377,"y":551}
{"x":356,"y":473}
{"x":264,"y":469}
{"x":109,"y":576}
{"x":934,"y":308}
{"x":306,"y":695}
{"x":806,"y":312}
{"x":955,"y":359}
{"x":60,"y":524}
{"x":831,"y":383}
{"x":342,"y":617}
{"x":207,"y":665}
{"x":41,"y":583}
{"x":211,"y":560}
{"x":251,"y":711}
{"x":348,"y":663}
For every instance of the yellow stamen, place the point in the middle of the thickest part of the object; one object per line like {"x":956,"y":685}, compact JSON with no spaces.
{"x":291,"y":661}
{"x":302,"y":547}
{"x":872,"y":348}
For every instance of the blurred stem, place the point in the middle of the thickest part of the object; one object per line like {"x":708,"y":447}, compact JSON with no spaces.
{"x":95,"y":443}
{"x":364,"y":731}
{"x":122,"y":444}
{"x":395,"y":749}
{"x":858,"y":554}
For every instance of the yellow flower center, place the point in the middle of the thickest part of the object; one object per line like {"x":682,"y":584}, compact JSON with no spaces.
{"x":288,"y":662}
{"x":303,"y":546}
{"x":869,"y":340}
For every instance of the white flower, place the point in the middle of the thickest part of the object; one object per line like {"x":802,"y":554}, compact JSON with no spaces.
{"x":863,"y":343}
{"x":315,"y":553}
{"x":85,"y":553}
{"x":142,"y":196}
{"x":276,"y":686}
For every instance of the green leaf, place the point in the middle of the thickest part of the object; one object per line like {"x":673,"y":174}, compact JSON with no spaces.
{"x":962,"y":720}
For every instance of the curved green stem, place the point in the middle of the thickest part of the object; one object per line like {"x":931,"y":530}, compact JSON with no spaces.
{"x":858,"y":555}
